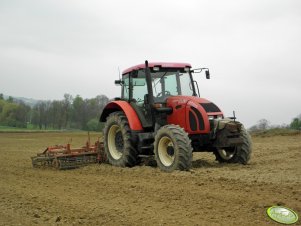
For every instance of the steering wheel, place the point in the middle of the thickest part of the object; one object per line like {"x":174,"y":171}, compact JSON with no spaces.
{"x":166,"y":93}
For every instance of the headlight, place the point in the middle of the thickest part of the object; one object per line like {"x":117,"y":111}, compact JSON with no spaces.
{"x":211,"y":117}
{"x":219,"y":117}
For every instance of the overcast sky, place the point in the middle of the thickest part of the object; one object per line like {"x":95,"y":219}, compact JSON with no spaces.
{"x":253,"y":49}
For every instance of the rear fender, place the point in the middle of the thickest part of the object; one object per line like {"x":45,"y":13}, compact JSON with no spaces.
{"x":127,"y":109}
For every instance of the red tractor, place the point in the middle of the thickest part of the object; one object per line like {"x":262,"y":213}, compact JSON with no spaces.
{"x":160,"y":113}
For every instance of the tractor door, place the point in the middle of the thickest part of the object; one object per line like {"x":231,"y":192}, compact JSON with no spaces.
{"x":135,"y":91}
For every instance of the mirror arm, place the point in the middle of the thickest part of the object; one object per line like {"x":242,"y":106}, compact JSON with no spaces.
{"x":119,"y":82}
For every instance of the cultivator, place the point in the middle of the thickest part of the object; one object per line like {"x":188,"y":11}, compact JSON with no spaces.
{"x":63,"y":157}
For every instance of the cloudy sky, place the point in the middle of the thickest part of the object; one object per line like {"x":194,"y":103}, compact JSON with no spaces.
{"x":252,"y":47}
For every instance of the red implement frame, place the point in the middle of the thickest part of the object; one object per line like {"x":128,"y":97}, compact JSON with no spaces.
{"x":64,"y":157}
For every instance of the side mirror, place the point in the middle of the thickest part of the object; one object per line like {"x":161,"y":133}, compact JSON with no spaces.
{"x":207,"y":74}
{"x":119,"y":82}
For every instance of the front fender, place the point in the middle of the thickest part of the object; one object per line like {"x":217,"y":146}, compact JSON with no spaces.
{"x":127,"y":109}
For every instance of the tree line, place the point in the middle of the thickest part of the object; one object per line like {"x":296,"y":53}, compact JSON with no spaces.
{"x":78,"y":113}
{"x":264,"y":124}
{"x":68,"y":113}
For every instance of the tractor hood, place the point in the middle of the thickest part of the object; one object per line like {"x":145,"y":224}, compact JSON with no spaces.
{"x":192,"y":113}
{"x":207,"y":105}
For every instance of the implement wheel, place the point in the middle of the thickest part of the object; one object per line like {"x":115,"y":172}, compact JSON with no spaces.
{"x":118,"y":145}
{"x":173,"y":149}
{"x":239,"y":154}
{"x":56,"y":163}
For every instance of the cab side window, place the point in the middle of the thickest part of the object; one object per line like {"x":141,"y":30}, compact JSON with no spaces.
{"x":139,"y":86}
{"x":125,"y":87}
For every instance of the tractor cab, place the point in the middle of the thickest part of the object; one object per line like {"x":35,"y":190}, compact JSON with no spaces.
{"x":165,"y":80}
{"x":147,"y":88}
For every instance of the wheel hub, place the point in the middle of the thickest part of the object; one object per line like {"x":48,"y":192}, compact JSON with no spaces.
{"x":119,"y":141}
{"x":170,"y":150}
{"x":227,"y":154}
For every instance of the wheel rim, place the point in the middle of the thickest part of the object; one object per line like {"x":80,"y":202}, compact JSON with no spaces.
{"x":226,"y":154}
{"x":166,"y":151}
{"x":115,"y":142}
{"x":56,"y":163}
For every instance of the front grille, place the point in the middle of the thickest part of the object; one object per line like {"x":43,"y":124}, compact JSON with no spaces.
{"x":200,"y":118}
{"x":192,"y":121}
{"x":210,"y":107}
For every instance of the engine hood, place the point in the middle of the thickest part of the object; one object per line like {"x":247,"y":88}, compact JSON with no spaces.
{"x":207,"y":105}
{"x":192,"y":113}
{"x":185,"y":99}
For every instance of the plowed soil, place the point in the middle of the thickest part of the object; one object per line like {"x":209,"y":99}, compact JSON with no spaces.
{"x":100,"y":194}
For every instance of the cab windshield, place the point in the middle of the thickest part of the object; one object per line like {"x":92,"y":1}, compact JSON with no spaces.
{"x":171,"y":83}
{"x":164,"y":84}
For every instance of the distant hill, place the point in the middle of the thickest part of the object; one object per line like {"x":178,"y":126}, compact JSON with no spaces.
{"x":28,"y":101}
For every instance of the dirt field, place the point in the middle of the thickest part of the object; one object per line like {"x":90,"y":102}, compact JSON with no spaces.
{"x":210,"y":194}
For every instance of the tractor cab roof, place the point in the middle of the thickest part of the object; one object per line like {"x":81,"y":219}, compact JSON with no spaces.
{"x":157,"y":64}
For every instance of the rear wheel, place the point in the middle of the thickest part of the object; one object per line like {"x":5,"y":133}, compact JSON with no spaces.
{"x":173,"y":149}
{"x":239,"y":154}
{"x":118,"y":145}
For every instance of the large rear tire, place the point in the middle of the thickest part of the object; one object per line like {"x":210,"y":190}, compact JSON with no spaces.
{"x":118,"y":145}
{"x":239,"y":154}
{"x":173,"y":149}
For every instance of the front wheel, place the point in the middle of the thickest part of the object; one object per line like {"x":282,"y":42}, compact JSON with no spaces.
{"x":172,"y":148}
{"x":239,"y":154}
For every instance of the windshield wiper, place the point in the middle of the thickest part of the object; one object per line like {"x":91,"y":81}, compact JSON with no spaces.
{"x":160,"y":79}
